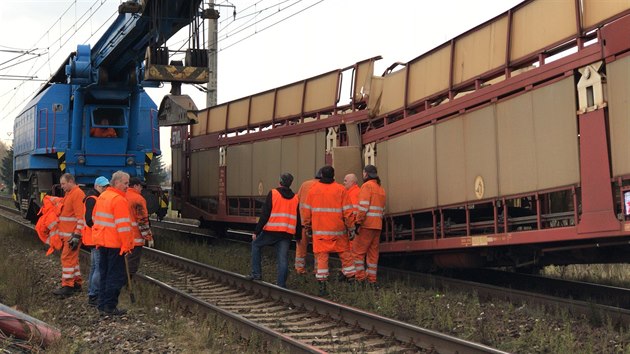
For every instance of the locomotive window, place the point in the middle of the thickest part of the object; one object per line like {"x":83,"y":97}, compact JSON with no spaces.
{"x":108,"y":117}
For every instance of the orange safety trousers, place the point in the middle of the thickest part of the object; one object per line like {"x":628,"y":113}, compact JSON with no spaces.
{"x":321,"y":263}
{"x":70,"y":270}
{"x":300,"y":254}
{"x":365,"y":250}
{"x":341,"y":246}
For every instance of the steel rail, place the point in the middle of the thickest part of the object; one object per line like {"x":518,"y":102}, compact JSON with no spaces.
{"x":245,"y":327}
{"x":402,"y":332}
{"x":580,"y":298}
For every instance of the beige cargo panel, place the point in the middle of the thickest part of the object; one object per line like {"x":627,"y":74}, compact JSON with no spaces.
{"x":206,"y":172}
{"x":289,"y":100}
{"x":429,"y":75}
{"x":539,"y":24}
{"x":321,"y":92}
{"x":311,"y":154}
{"x":320,"y":148}
{"x":363,"y":79}
{"x":217,"y":117}
{"x":347,"y":159}
{"x":239,"y":170}
{"x":290,"y":158}
{"x":450,"y":159}
{"x":555,"y":125}
{"x":411,"y":171}
{"x":393,"y":96}
{"x":596,"y":11}
{"x":618,"y":112}
{"x":480,"y":140}
{"x":238,"y":113}
{"x":266,"y":166}
{"x":202,"y":123}
{"x":517,"y":152}
{"x":382,"y":164}
{"x":262,"y":108}
{"x":376,"y":93}
{"x":194,"y":177}
{"x":176,"y":157}
{"x":480,"y":51}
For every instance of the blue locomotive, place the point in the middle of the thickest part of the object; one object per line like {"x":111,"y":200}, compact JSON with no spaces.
{"x":59,"y":131}
{"x":93,"y":116}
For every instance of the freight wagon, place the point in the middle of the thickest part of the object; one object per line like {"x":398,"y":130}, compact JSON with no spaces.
{"x":505,"y":146}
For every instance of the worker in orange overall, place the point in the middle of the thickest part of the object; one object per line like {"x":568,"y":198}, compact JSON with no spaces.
{"x":139,"y":223}
{"x":328,"y":218}
{"x":369,"y":223}
{"x":71,"y":223}
{"x":302,"y":243}
{"x":112,"y":235}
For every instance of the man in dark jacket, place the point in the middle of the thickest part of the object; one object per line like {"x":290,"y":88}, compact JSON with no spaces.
{"x":279,"y":223}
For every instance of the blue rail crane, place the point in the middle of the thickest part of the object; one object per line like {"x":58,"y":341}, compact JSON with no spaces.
{"x":93,"y":116}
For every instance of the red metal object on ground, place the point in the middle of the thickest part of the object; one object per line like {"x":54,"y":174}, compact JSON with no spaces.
{"x":25,"y":327}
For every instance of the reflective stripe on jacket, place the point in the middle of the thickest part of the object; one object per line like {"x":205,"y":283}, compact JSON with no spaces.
{"x":112,"y":221}
{"x":303,"y":193}
{"x":139,"y":217}
{"x":283,"y":217}
{"x":71,"y":219}
{"x":328,"y":212}
{"x":371,"y":205}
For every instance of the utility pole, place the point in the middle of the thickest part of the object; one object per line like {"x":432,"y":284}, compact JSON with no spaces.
{"x":212,"y":15}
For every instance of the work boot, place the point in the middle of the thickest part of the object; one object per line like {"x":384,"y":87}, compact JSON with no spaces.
{"x":253,"y":277}
{"x":93,"y":301}
{"x":76,"y":288}
{"x":343,"y":278}
{"x":64,"y":291}
{"x":112,"y":312}
{"x":322,"y":289}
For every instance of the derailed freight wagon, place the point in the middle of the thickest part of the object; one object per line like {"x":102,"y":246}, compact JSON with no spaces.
{"x":506,"y":145}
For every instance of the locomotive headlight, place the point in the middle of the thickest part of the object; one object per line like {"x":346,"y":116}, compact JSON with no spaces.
{"x":81,"y":160}
{"x":130,"y":161}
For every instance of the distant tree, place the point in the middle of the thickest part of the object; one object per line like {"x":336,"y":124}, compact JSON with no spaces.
{"x":158,"y":170}
{"x":6,"y":169}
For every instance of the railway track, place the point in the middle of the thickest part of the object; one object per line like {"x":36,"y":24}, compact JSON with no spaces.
{"x":289,"y":320}
{"x":580,"y":298}
{"x":322,"y":325}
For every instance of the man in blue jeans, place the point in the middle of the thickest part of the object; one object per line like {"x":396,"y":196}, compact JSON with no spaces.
{"x":279,"y":223}
{"x":100,"y":185}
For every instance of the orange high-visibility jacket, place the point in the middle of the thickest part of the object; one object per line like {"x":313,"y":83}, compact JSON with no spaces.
{"x":47,"y":226}
{"x":72,"y":217}
{"x":303,"y":192}
{"x":328,"y":212}
{"x":87,"y":230}
{"x":283,"y":217}
{"x":353,"y":194}
{"x":371,"y":205}
{"x":139,"y":217}
{"x":112,"y":221}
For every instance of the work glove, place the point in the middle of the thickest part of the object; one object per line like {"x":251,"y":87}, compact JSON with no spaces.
{"x":150,"y":243}
{"x":74,"y":241}
{"x":351,"y":233}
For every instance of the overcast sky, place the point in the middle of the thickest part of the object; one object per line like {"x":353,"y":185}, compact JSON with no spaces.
{"x":270,"y":43}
